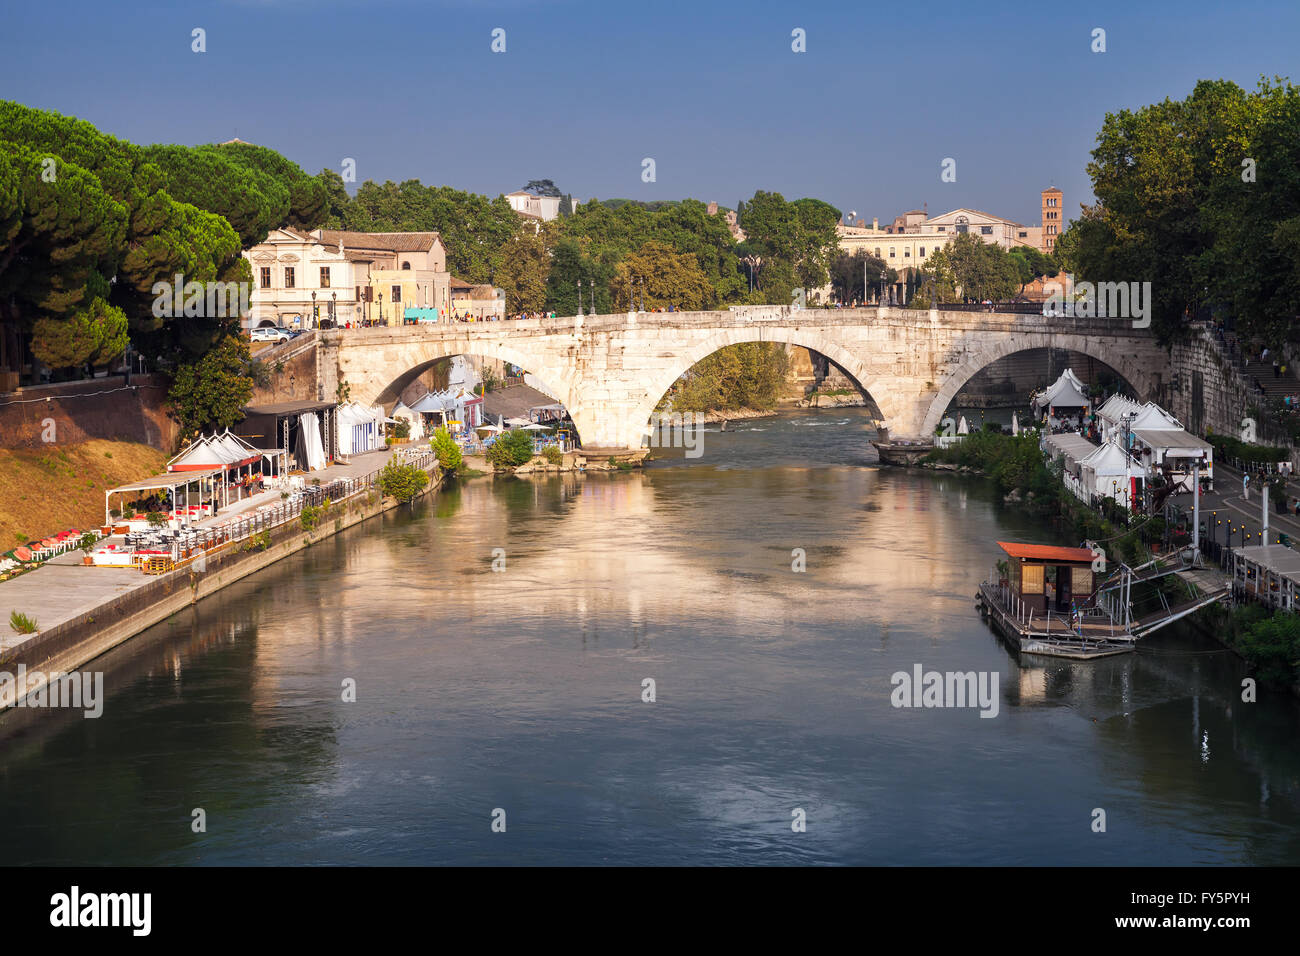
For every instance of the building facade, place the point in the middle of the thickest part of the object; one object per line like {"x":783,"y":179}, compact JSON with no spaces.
{"x":329,"y":277}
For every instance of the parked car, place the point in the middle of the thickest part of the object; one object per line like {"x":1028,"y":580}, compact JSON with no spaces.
{"x":269,"y":335}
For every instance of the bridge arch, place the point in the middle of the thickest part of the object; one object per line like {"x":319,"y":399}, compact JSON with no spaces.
{"x":379,"y":376}
{"x":1140,"y":379}
{"x":685,"y":359}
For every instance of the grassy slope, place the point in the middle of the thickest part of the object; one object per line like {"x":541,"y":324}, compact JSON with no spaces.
{"x":43,"y":491}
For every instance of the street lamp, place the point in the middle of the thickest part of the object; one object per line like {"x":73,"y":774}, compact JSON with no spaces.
{"x":315,"y":316}
{"x":381,"y":309}
{"x":884,"y":277}
{"x":334,"y":309}
{"x":579,"y":298}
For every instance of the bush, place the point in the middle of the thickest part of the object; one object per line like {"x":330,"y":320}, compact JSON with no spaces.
{"x":310,"y":517}
{"x":1225,"y":446}
{"x":511,"y":449}
{"x":156,"y":518}
{"x":448,"y":452}
{"x":22,"y":623}
{"x":553,"y":454}
{"x":1272,"y":645}
{"x":403,"y":482}
{"x":402,"y":429}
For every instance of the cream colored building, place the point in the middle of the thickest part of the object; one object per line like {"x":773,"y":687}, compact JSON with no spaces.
{"x":326,"y":276}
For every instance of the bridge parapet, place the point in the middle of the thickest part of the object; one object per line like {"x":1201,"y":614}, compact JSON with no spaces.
{"x":611,"y":371}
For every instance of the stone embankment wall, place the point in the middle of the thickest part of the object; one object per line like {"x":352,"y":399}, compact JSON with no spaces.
{"x":106,"y":408}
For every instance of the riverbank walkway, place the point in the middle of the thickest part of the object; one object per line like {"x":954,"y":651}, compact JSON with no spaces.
{"x":63,"y":588}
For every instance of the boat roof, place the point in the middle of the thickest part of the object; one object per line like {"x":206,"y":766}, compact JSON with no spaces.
{"x":1045,"y":552}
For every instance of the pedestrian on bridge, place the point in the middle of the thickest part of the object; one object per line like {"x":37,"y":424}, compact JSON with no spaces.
{"x":1245,"y":487}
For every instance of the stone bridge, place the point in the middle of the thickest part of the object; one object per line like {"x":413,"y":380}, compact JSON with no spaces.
{"x":611,"y":371}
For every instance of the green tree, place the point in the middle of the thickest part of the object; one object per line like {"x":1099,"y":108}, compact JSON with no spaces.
{"x":978,"y":270}
{"x":251,"y":200}
{"x":402,"y":481}
{"x":658,"y":277}
{"x":510,"y":449}
{"x":60,"y":239}
{"x":848,"y":273}
{"x":525,"y":266}
{"x":748,"y":375}
{"x":448,"y":452}
{"x":570,"y":265}
{"x":92,"y":336}
{"x":212,"y":391}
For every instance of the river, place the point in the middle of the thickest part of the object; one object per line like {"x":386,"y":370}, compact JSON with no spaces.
{"x":521,"y":690}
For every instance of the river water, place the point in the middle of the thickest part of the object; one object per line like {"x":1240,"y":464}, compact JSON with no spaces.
{"x":521,"y":690}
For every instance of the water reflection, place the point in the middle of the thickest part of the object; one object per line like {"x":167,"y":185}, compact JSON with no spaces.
{"x":522,"y":689}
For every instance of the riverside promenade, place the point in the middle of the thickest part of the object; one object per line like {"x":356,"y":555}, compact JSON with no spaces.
{"x":83,"y":611}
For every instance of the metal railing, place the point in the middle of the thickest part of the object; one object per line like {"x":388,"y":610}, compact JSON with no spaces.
{"x":189,"y":545}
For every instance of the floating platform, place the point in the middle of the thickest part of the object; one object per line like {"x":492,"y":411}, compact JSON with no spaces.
{"x":1051,"y":635}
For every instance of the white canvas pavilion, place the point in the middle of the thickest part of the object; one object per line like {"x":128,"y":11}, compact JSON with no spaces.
{"x":1066,"y":392}
{"x":359,"y":428}
{"x":1111,"y":415}
{"x":414,"y":419}
{"x":1105,"y":472}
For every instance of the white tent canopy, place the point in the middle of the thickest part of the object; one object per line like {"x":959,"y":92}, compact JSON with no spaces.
{"x":412,"y":418}
{"x":1152,"y":416}
{"x":360,"y":428}
{"x":1066,"y":392}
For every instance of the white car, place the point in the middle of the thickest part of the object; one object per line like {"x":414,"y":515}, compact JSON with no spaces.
{"x":269,"y":335}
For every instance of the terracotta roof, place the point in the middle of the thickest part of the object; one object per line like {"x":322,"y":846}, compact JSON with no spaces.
{"x":380,"y":241}
{"x":1045,"y":552}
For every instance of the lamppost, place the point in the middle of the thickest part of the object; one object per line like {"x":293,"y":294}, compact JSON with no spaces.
{"x":884,"y":277}
{"x":592,"y":285}
{"x":315,"y":316}
{"x":381,"y":309}
{"x":579,"y":298}
{"x":334,"y":310}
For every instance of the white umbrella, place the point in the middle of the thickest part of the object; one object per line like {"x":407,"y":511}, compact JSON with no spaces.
{"x":533,"y":428}
{"x":962,"y":427}
{"x":1015,"y":424}
{"x":488,"y":428}
{"x":517,"y":422}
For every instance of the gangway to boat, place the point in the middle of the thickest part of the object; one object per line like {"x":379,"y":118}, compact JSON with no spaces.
{"x":1204,"y":587}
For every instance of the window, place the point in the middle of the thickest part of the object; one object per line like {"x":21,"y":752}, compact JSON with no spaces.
{"x":923,"y":252}
{"x":397,"y":293}
{"x":943,"y":228}
{"x":1024,"y":235}
{"x":288,"y":277}
{"x":1080,"y":581}
{"x":877,"y":252}
{"x":266,"y":277}
{"x":907,"y":253}
{"x":406,"y":265}
{"x":1031,"y":576}
{"x":891,"y":252}
{"x":324,"y":277}
{"x":986,"y":230}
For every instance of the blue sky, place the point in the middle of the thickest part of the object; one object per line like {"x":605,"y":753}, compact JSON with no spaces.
{"x":586,"y":90}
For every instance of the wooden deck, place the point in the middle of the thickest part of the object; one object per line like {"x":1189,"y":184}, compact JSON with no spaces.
{"x":1052,"y":636}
